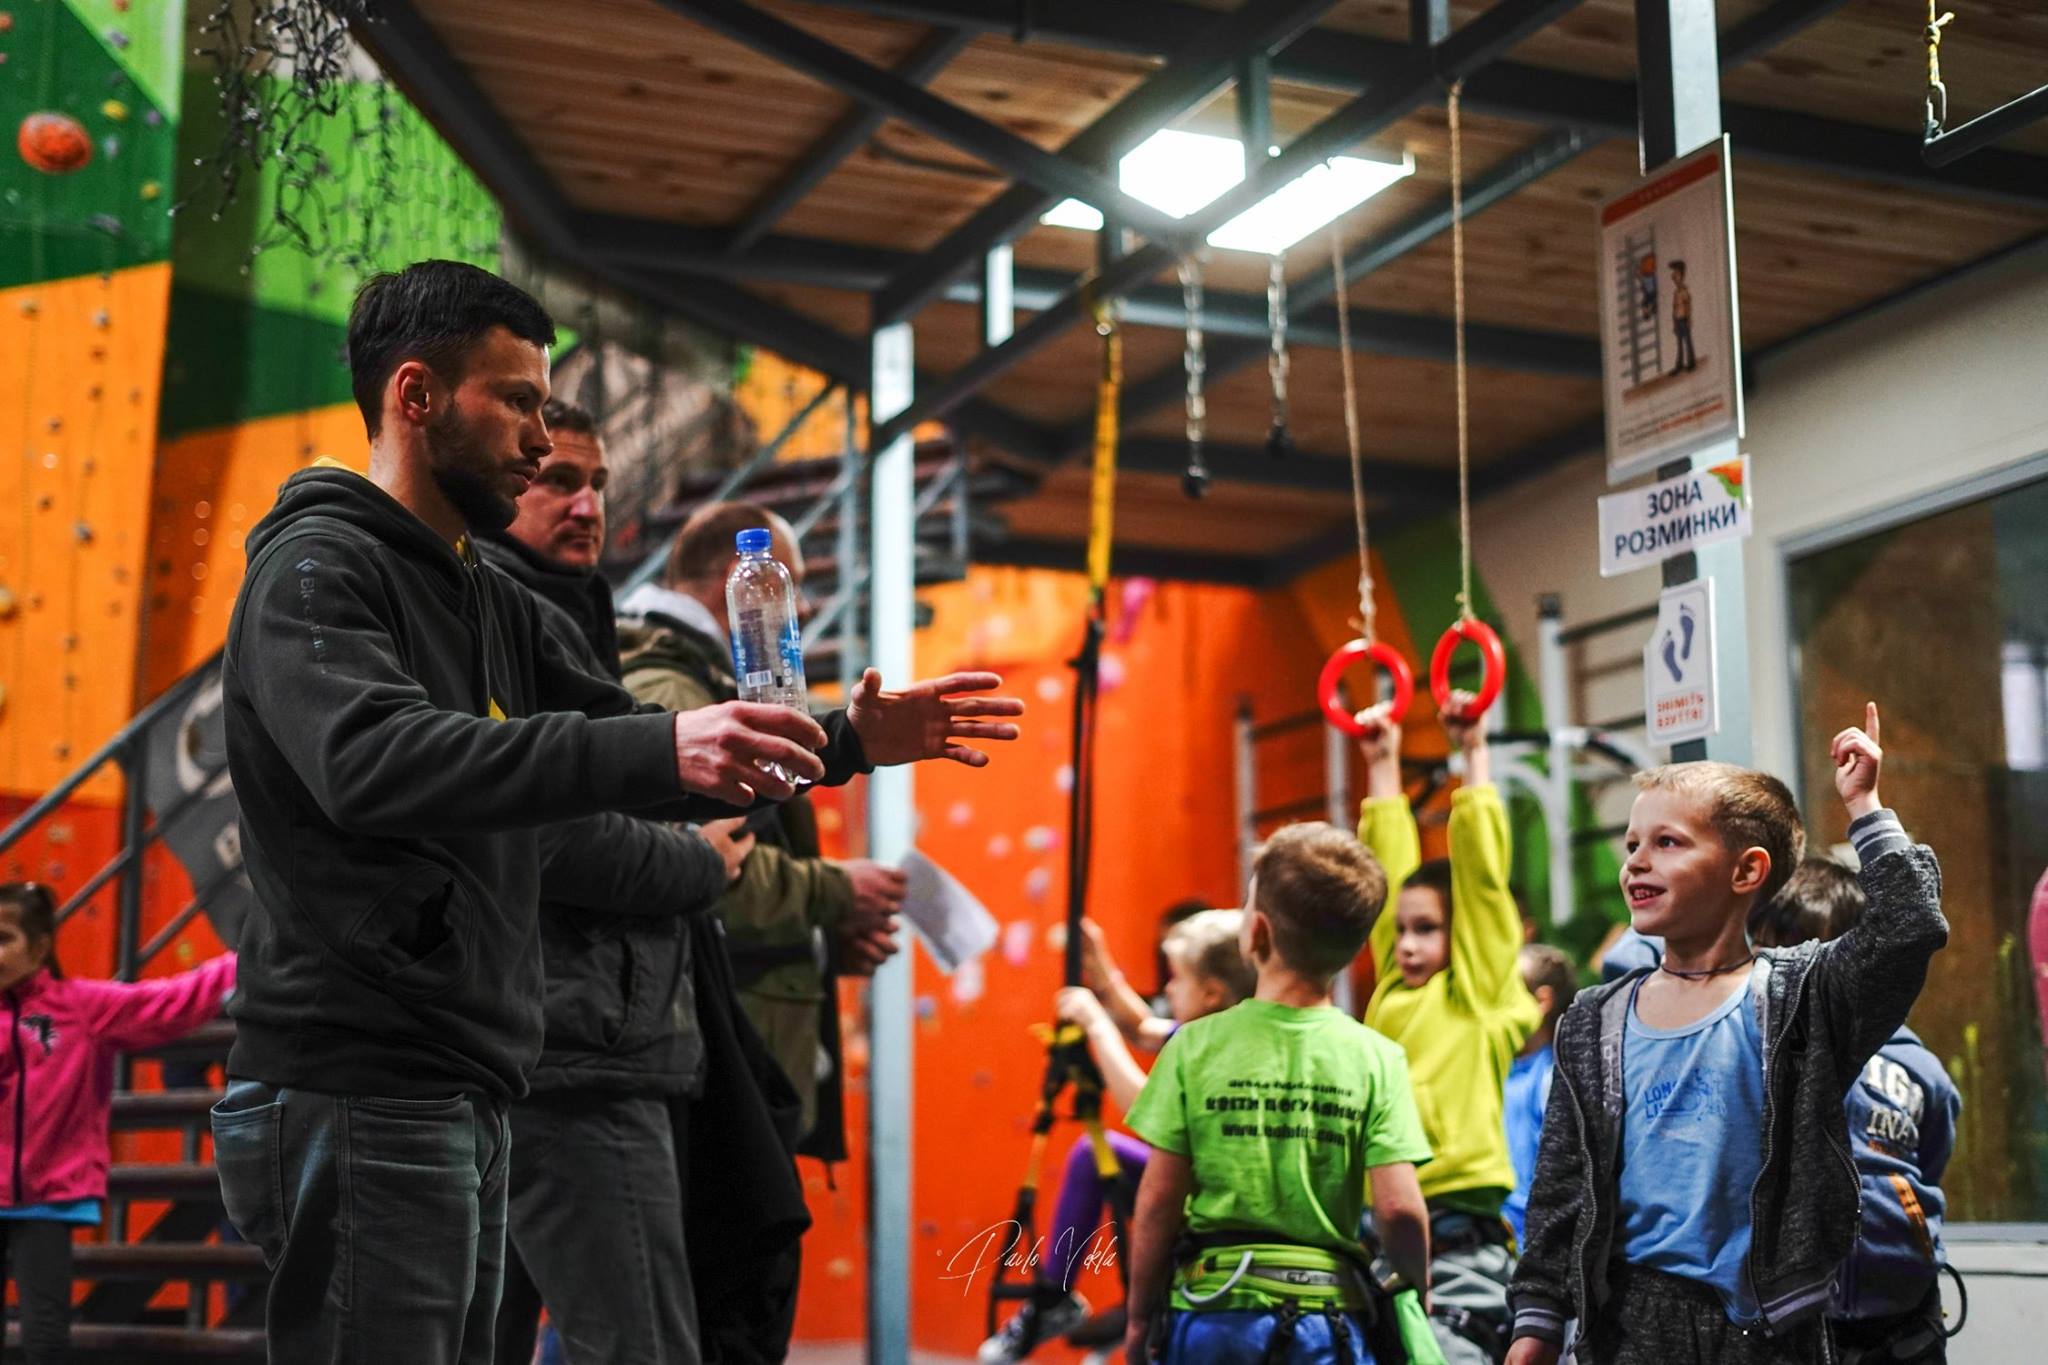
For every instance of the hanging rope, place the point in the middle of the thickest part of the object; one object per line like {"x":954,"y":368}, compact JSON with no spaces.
{"x":1195,"y":481}
{"x":1458,"y":312}
{"x":1937,"y":93}
{"x":1468,"y":626}
{"x":1367,"y":612}
{"x":1068,"y":1059}
{"x":1279,"y":441}
{"x":1367,"y":647}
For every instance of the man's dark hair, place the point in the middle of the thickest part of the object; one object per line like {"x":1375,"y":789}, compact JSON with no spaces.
{"x":1679,"y":266}
{"x":562,"y":415}
{"x":436,"y":312}
{"x":35,"y":910}
{"x":1322,"y":889}
{"x":705,"y":544}
{"x":1822,"y":899}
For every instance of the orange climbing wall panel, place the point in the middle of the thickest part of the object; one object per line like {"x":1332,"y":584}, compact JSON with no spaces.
{"x":1177,"y":658}
{"x":78,"y":415}
{"x":211,"y":488}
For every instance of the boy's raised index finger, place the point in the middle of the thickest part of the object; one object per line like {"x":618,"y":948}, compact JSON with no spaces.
{"x":1870,"y":720}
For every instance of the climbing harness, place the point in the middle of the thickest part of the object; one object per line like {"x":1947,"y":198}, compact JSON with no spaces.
{"x":1222,"y":1271}
{"x":1195,"y":481}
{"x":1367,"y":645}
{"x":1279,"y":440}
{"x":1468,"y":626}
{"x":1069,"y":1063}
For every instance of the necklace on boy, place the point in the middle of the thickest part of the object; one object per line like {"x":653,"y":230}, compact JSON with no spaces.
{"x":1705,"y":972}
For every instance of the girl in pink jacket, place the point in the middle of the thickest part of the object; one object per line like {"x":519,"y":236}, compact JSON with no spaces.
{"x":56,"y":1088}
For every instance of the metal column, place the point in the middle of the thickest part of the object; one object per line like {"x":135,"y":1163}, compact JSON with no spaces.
{"x":891,"y":609}
{"x":998,"y":295}
{"x":1678,"y":59}
{"x":1557,"y":811}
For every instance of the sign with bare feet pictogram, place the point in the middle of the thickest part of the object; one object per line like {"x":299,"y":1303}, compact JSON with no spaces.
{"x":1680,"y":695}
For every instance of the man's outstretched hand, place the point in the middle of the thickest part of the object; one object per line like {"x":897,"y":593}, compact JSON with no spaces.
{"x":720,"y":750}
{"x":929,"y":719}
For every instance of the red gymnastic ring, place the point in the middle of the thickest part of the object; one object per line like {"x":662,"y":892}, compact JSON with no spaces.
{"x":1387,"y":657}
{"x":1493,"y":672}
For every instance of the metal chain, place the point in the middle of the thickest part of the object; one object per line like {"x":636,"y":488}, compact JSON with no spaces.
{"x":1195,"y":359}
{"x":1279,"y":441}
{"x":1937,"y":93}
{"x":1367,"y":613}
{"x":1464,"y":406}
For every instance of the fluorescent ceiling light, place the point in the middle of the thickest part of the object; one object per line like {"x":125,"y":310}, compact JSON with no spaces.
{"x":1180,"y":173}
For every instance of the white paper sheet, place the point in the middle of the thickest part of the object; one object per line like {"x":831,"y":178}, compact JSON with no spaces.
{"x":955,"y":927}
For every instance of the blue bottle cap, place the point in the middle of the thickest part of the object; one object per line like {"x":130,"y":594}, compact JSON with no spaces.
{"x":754,"y":541}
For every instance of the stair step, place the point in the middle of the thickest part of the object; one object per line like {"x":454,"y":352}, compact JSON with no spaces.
{"x":163,"y":1108}
{"x":208,"y":1042}
{"x":130,"y":1345}
{"x":168,"y":1180}
{"x":169,"y":1261}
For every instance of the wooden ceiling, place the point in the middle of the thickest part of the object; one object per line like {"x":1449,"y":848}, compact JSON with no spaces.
{"x":635,"y":111}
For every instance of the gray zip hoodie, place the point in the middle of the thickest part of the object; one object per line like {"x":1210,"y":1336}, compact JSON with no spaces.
{"x":1824,"y":1009}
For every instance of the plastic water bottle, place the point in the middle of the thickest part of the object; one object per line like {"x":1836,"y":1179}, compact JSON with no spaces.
{"x":767,"y":644}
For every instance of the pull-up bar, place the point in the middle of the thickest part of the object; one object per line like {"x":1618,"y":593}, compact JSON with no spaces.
{"x":1943,"y":148}
{"x":1939,"y":148}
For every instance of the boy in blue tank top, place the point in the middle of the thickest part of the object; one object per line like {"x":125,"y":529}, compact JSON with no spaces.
{"x":1694,"y":1194}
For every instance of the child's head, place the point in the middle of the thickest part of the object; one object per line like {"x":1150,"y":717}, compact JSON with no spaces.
{"x":1315,"y":892}
{"x":1422,"y":923}
{"x":1173,"y":914}
{"x":1707,"y":842}
{"x":1552,"y":979}
{"x":1678,"y":271}
{"x":1206,"y":970}
{"x":1820,"y":900}
{"x":28,"y":932}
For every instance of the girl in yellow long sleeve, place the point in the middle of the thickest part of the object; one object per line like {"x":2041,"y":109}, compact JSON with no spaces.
{"x":1450,"y":991}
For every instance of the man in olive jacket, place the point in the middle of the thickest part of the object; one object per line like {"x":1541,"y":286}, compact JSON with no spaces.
{"x":793,"y":919}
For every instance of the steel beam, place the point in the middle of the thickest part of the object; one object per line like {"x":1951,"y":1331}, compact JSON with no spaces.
{"x":1125,"y":560}
{"x":846,"y":136}
{"x":1465,"y":51}
{"x":645,"y":245}
{"x":1392,"y":480}
{"x":834,"y":66}
{"x":1197,"y":70}
{"x":1348,"y":61}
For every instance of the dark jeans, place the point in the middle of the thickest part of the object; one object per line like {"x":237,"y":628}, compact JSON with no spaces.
{"x":1688,"y":359}
{"x":596,"y":1219}
{"x":382,"y":1221}
{"x":38,"y":1253}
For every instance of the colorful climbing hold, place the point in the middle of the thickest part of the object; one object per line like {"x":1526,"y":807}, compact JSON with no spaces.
{"x":115,"y":110}
{"x":53,"y":143}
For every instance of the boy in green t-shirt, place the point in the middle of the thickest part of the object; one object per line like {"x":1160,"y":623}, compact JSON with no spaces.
{"x":1450,"y":992}
{"x":1268,"y":1124}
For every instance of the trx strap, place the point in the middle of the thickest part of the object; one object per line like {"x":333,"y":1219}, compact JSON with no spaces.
{"x":1068,"y":1060}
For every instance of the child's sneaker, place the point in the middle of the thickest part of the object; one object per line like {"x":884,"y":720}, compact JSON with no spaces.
{"x":1045,"y":1315}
